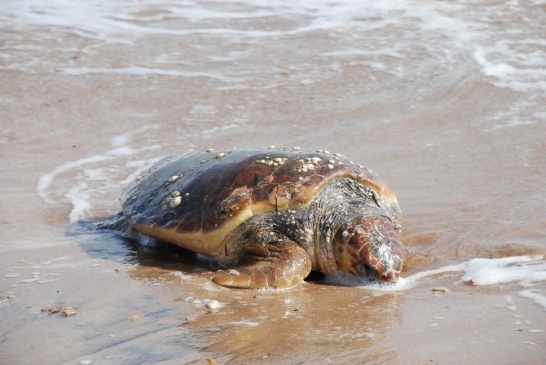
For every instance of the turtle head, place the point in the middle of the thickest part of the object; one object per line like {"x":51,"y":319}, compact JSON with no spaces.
{"x":370,"y":248}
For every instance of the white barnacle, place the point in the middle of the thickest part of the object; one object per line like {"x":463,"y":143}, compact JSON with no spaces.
{"x":210,"y":150}
{"x":175,"y":193}
{"x":330,"y":166}
{"x":172,"y":201}
{"x":295,"y":149}
{"x":220,"y":156}
{"x":280,"y":160}
{"x":187,"y":194}
{"x":173,"y":178}
{"x":332,"y":161}
{"x":338,"y":154}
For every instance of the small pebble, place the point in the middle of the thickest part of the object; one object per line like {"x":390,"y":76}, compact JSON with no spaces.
{"x":132,"y":318}
{"x":213,"y":304}
{"x":68,"y":311}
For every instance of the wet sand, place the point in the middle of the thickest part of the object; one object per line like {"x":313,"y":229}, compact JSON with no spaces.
{"x":465,"y":156}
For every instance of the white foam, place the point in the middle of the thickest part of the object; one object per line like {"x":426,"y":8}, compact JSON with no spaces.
{"x":143,"y":71}
{"x":119,"y":141}
{"x":181,"y":275}
{"x":45,"y":180}
{"x":79,"y":194}
{"x":245,"y":323}
{"x":508,"y":55}
{"x":80,"y":202}
{"x":522,"y":270}
{"x":535,"y":297}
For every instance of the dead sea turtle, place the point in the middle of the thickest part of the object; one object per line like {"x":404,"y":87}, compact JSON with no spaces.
{"x":271,"y":216}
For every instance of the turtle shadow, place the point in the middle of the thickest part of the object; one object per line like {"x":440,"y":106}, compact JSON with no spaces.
{"x":106,"y":244}
{"x":117,"y":246}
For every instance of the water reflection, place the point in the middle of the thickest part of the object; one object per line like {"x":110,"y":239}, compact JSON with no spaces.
{"x":311,"y":323}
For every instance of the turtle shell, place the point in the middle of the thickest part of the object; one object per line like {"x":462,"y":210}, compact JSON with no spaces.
{"x":197,"y":200}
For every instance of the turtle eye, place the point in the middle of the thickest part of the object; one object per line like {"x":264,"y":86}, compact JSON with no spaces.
{"x":355,"y":237}
{"x":222,"y":210}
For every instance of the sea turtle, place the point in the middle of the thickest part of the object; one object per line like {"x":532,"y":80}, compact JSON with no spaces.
{"x":270,"y":216}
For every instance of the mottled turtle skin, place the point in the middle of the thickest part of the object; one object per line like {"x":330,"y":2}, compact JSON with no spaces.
{"x":271,"y":215}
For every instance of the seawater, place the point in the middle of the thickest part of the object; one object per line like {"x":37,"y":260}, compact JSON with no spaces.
{"x":404,"y":39}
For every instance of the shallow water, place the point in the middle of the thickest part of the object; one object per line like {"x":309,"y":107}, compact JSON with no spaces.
{"x":444,"y":99}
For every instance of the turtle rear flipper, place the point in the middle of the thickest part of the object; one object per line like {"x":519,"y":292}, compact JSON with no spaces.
{"x":287,"y":267}
{"x":115,"y":222}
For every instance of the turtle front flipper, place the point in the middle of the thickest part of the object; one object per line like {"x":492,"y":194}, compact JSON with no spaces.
{"x":288,"y":265}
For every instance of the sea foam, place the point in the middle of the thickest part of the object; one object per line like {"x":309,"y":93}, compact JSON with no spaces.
{"x":77,"y":189}
{"x":522,"y":270}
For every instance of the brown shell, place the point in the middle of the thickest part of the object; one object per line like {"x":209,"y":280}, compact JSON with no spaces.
{"x":196,"y":201}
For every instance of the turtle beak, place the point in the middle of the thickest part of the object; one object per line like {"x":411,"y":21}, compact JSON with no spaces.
{"x":390,"y":277}
{"x":367,"y":271}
